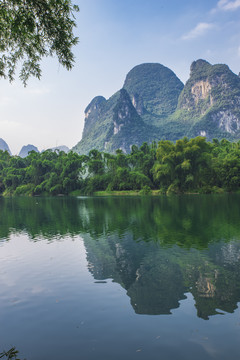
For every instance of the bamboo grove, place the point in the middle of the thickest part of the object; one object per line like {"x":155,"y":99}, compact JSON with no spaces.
{"x":187,"y":166}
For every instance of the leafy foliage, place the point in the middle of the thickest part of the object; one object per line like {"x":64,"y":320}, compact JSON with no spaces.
{"x":189,"y":165}
{"x":33,"y":29}
{"x":10,"y":354}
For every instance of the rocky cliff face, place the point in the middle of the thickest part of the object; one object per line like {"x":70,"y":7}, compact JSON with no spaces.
{"x":154,"y":105}
{"x":210,"y":101}
{"x":93,"y":113}
{"x":113,"y":124}
{"x":128,"y":127}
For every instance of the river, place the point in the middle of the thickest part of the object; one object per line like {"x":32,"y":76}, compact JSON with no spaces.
{"x":120,"y":277}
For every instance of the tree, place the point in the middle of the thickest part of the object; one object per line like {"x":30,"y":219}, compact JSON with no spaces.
{"x":33,"y":29}
{"x":182,"y":166}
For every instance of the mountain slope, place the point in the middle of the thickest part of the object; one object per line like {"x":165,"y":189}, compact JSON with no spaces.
{"x":26,"y":149}
{"x":4,"y":146}
{"x":63,"y":148}
{"x":113,"y":124}
{"x":98,"y":124}
{"x":210,"y":101}
{"x":154,"y":90}
{"x":150,"y":93}
{"x":154,"y":105}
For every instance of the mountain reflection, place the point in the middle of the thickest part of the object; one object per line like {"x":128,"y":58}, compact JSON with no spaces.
{"x":158,"y":249}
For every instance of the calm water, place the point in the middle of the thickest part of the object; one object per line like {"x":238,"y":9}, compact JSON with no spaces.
{"x":120,"y":278}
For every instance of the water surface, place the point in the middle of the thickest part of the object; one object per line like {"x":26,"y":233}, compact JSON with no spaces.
{"x":113,"y":278}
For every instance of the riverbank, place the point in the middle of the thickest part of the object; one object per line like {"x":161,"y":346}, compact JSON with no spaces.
{"x":148,"y":193}
{"x":76,"y":193}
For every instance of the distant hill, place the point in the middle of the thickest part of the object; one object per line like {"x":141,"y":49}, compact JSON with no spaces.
{"x":26,"y":149}
{"x":155,"y":105}
{"x":4,"y":146}
{"x":60,"y":148}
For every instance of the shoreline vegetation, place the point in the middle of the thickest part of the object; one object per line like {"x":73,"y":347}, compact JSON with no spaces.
{"x":188,"y":166}
{"x":119,"y":193}
{"x":131,"y":193}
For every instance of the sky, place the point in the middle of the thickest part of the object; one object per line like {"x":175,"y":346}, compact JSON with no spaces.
{"x":114,"y":36}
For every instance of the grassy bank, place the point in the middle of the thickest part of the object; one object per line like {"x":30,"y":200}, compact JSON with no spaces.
{"x":117,"y":193}
{"x":125,"y":193}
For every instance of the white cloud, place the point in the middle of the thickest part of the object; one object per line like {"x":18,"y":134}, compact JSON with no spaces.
{"x":38,"y":90}
{"x":226,"y":5}
{"x":9,"y":125}
{"x":199,"y":30}
{"x":5,"y":100}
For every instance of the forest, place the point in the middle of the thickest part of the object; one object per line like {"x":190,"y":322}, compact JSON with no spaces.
{"x":186,"y":166}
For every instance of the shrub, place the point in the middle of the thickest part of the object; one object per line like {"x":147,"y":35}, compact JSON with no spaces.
{"x":24,"y":190}
{"x":146,"y":190}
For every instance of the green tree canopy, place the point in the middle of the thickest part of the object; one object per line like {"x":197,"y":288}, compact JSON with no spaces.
{"x":33,"y":29}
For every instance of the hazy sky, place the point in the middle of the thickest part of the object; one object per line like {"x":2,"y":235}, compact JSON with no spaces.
{"x":114,"y":37}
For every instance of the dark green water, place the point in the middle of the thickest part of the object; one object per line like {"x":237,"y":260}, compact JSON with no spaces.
{"x":120,"y":278}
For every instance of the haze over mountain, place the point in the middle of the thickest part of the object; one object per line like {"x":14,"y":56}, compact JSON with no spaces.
{"x":4,"y":146}
{"x":26,"y":149}
{"x":154,"y":104}
{"x":60,"y":148}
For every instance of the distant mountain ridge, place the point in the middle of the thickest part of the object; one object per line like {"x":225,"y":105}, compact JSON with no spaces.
{"x":63,"y":148}
{"x":154,"y":104}
{"x":26,"y":149}
{"x":4,"y":146}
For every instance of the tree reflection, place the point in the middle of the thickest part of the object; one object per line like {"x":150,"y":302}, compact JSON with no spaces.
{"x":158,"y":249}
{"x":10,"y":354}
